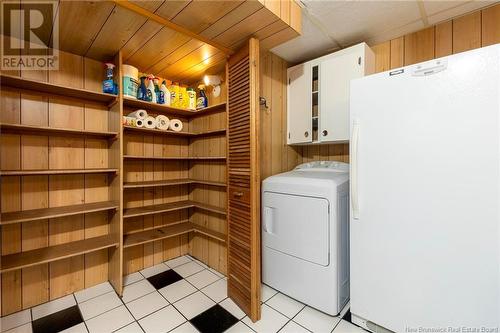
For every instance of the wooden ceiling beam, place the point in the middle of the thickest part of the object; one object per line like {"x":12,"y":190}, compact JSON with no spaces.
{"x":166,"y":23}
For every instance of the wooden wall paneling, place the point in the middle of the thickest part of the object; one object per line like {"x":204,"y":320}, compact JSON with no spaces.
{"x":275,"y":104}
{"x":266,"y":79}
{"x":11,"y":240}
{"x":419,"y":46}
{"x":382,"y":53}
{"x":80,"y":22}
{"x":34,"y":194}
{"x":444,"y":39}
{"x":467,"y":32}
{"x":295,"y":16}
{"x":119,"y":27}
{"x":167,"y":10}
{"x":232,"y":18}
{"x":397,"y":52}
{"x":490,"y":25}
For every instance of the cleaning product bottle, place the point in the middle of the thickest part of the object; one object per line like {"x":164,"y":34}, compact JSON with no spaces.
{"x":174,"y":94}
{"x":166,"y":93}
{"x":182,"y":97}
{"x":151,"y":89}
{"x":142,"y":92}
{"x":160,"y":96}
{"x":202,"y":101}
{"x":108,"y":85}
{"x":191,"y":98}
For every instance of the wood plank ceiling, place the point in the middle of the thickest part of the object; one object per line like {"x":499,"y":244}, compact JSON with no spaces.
{"x":98,"y":29}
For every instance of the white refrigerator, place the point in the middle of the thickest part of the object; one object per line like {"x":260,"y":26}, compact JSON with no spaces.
{"x":425,"y":196}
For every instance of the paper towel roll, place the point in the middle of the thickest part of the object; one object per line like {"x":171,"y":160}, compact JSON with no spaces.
{"x":176,"y":125}
{"x":129,"y":121}
{"x":150,"y":122}
{"x":139,"y":114}
{"x":139,"y":123}
{"x":162,"y":122}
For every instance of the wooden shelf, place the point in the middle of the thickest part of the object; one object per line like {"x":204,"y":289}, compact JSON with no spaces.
{"x":15,"y":261}
{"x":49,"y":213}
{"x":170,"y":207}
{"x":28,"y":129}
{"x":171,"y":182}
{"x":130,"y":157}
{"x":55,"y":89}
{"x":161,"y":108}
{"x":169,"y":231}
{"x":54,"y":172}
{"x":170,"y":132}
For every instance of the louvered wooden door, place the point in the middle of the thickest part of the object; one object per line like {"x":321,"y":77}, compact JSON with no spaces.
{"x":244,"y":180}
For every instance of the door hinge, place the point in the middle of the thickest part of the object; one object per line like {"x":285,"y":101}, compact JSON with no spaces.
{"x":359,"y":60}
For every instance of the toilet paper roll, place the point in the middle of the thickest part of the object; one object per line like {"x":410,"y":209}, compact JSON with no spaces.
{"x":139,"y":123}
{"x":129,"y":121}
{"x":138,"y":114}
{"x":176,"y":125}
{"x":162,"y":122}
{"x":150,"y":122}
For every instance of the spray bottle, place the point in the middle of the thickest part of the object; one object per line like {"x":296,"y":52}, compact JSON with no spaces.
{"x":108,"y":85}
{"x":166,"y":93}
{"x":151,"y":89}
{"x":160,"y":95}
{"x":202,"y":101}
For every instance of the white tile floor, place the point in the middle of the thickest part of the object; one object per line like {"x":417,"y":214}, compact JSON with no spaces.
{"x":145,"y":309}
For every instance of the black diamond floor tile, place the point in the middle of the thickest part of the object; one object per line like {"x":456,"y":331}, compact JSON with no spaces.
{"x":214,"y":320}
{"x":347,"y":316}
{"x":164,"y":279}
{"x":58,"y":321}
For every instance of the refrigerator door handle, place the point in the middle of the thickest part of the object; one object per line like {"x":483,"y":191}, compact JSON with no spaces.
{"x":354,"y":169}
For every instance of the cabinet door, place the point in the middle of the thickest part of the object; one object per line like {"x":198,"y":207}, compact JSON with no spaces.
{"x":243,"y":202}
{"x":299,"y":104}
{"x":335,"y":79}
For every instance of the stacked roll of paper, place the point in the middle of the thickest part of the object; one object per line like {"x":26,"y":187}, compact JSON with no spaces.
{"x":131,"y":121}
{"x":138,"y":114}
{"x":162,"y":122}
{"x":150,"y":122}
{"x":176,"y":125}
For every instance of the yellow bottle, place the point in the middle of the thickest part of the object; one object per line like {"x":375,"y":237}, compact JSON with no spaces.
{"x":174,"y":95}
{"x":183,"y":97}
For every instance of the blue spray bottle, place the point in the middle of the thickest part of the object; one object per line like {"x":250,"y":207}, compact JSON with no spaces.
{"x":108,"y":85}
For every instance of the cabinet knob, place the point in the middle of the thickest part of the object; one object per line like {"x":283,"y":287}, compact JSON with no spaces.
{"x":306,"y":134}
{"x":324,"y":132}
{"x":238,"y":194}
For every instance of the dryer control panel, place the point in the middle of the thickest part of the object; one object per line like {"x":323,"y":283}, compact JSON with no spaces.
{"x":322,"y":165}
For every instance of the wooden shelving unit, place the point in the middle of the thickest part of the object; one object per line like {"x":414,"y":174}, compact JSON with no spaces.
{"x":56,"y":172}
{"x":62,"y":142}
{"x":131,"y":157}
{"x":168,"y":232}
{"x":172,"y":133}
{"x":45,"y":130}
{"x":164,"y":109}
{"x":57,"y":252}
{"x":55,"y":89}
{"x":169,"y":207}
{"x":54,"y":212}
{"x":172,"y":182}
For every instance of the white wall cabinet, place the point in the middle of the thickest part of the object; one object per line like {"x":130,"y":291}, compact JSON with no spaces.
{"x":318,"y":95}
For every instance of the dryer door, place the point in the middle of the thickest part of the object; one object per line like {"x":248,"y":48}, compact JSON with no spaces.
{"x":298,"y":226}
